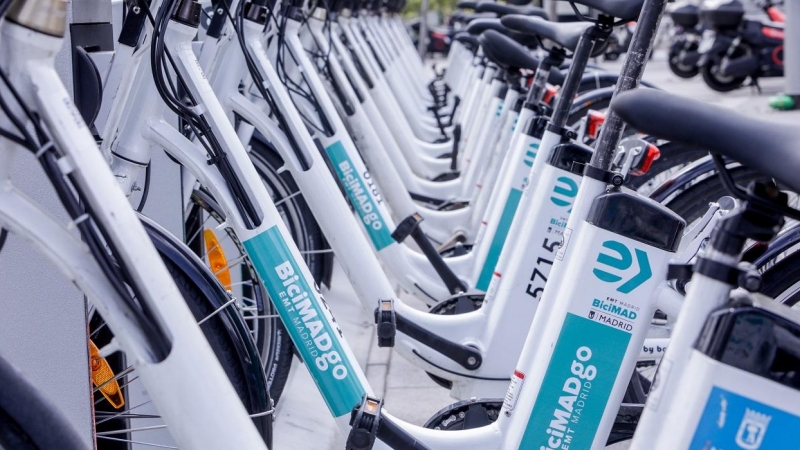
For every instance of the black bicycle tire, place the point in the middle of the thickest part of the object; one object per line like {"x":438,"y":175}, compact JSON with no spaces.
{"x":219,"y":338}
{"x":267,"y":163}
{"x":692,"y":202}
{"x":782,"y":275}
{"x":277,"y":360}
{"x":28,"y":420}
{"x":577,"y":114}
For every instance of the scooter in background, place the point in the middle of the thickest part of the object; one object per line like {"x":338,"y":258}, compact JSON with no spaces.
{"x":734,"y":48}
{"x":684,"y":42}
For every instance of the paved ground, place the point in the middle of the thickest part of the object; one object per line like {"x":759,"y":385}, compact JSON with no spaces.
{"x":303,"y":421}
{"x":746,"y":100}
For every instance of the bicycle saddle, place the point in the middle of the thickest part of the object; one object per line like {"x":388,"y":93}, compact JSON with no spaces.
{"x":478,"y":26}
{"x":509,"y":54}
{"x":506,"y":53}
{"x":502,"y":9}
{"x":466,"y":4}
{"x":469,"y":17}
{"x":621,"y":9}
{"x":467,"y":39}
{"x":564,"y":35}
{"x":767,"y":147}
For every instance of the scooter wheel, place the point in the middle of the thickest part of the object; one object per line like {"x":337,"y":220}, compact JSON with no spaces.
{"x":720,"y":83}
{"x":682,"y":70}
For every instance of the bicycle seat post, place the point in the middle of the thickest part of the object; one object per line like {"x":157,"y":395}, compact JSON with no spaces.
{"x":632,"y":71}
{"x":580,"y":59}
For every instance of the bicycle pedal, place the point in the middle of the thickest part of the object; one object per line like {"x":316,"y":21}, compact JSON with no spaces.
{"x":364,"y":420}
{"x":386,"y":319}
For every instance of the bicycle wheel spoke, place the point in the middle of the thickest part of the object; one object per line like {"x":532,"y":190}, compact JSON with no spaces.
{"x":129,"y":382}
{"x":265,"y":413}
{"x":316,"y":252}
{"x":123,"y":412}
{"x":116,"y":377}
{"x":136,"y":442}
{"x":97,"y":330}
{"x":248,"y":301}
{"x":287,"y":198}
{"x":130,"y":416}
{"x":231,"y":264}
{"x":199,"y":229}
{"x":217,"y":311}
{"x":130,"y":430}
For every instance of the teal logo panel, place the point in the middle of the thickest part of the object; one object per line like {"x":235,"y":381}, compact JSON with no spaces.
{"x":576,"y":386}
{"x":360,"y":197}
{"x":500,"y":235}
{"x":621,"y":258}
{"x":530,"y":155}
{"x":564,"y":191}
{"x":731,"y":421}
{"x":302,"y":314}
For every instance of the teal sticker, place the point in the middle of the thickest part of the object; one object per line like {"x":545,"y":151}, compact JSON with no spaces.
{"x":530,"y":155}
{"x":360,"y":197}
{"x":499,"y":239}
{"x":302,"y":314}
{"x":564,"y":191}
{"x":576,"y":386}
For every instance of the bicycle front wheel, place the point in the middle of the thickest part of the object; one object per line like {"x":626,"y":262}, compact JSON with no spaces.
{"x":124,"y":413}
{"x":28,"y":421}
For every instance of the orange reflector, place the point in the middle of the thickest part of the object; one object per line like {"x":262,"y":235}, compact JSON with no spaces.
{"x":103,"y":378}
{"x":216,"y":258}
{"x":372,"y":406}
{"x":549,"y":93}
{"x":596,"y":120}
{"x":652,"y":154}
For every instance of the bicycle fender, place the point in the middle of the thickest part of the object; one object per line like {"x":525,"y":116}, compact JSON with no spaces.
{"x":172,"y":249}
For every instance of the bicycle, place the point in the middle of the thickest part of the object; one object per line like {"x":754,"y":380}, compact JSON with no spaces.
{"x":129,"y":287}
{"x":711,"y":336}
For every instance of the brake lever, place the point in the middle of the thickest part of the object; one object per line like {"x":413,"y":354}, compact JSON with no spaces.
{"x":693,"y":240}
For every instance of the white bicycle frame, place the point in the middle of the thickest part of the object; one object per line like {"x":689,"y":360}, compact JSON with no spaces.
{"x":362,"y":274}
{"x":189,"y":387}
{"x":327,"y":355}
{"x":421,"y":157}
{"x":499,"y":435}
{"x":376,"y":155}
{"x":340,"y":147}
{"x":312,"y":179}
{"x":319,"y":188}
{"x":482,"y":268}
{"x":394,"y":107}
{"x":480,"y":182}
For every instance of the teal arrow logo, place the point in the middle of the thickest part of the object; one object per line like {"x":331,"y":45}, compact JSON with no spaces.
{"x":564,"y":191}
{"x":530,"y":155}
{"x":621,"y":259}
